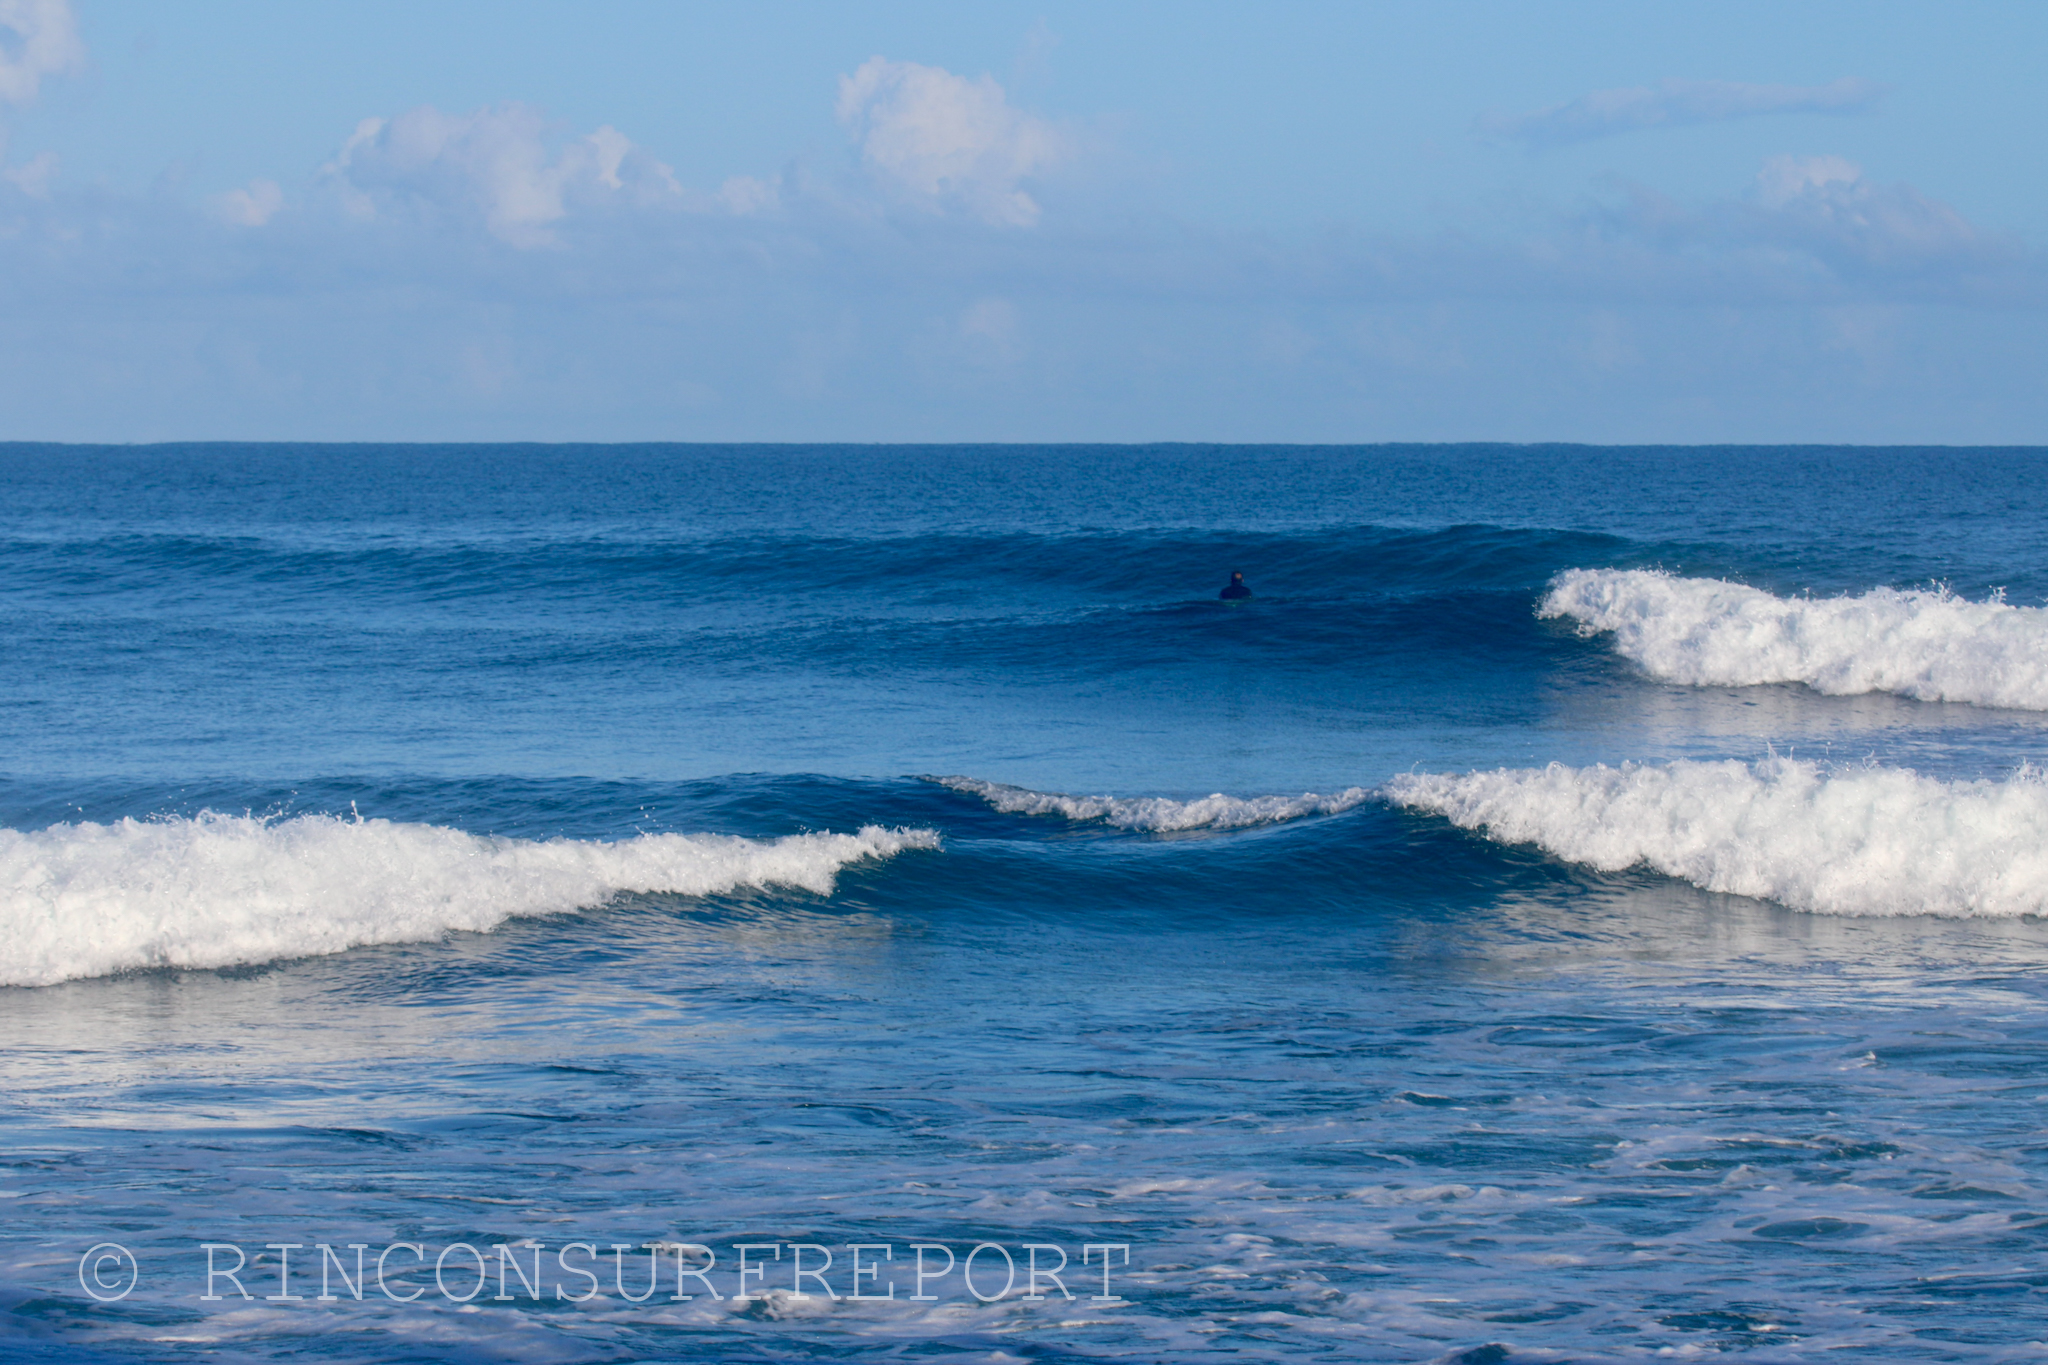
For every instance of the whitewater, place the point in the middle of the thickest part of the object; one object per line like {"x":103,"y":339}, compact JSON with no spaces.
{"x":226,"y":890}
{"x":1928,"y":644}
{"x":1160,"y":814}
{"x":1866,"y":841}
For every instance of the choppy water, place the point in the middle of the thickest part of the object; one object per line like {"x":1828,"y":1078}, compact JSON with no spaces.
{"x":1588,"y":906}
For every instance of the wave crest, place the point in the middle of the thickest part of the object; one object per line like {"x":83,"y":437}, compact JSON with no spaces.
{"x":1875,"y":841}
{"x":219,"y":890}
{"x":1928,"y":645}
{"x":1158,"y":813}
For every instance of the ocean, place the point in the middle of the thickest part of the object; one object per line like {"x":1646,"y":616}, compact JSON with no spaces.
{"x":773,"y":903}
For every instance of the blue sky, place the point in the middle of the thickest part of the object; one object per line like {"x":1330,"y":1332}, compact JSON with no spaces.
{"x":1307,"y":222}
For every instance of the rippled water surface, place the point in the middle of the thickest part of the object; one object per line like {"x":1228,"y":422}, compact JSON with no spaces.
{"x":421,"y":847}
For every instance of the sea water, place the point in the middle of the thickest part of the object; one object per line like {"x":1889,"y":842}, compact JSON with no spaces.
{"x":556,"y":903}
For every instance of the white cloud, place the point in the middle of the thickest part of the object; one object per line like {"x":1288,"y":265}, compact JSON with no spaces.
{"x":32,"y":178}
{"x":1670,"y":104}
{"x":253,"y":206}
{"x":1824,"y":204}
{"x":496,"y":162}
{"x":941,"y":139}
{"x":38,"y":38}
{"x":1785,"y":179}
{"x":1805,"y":231}
{"x":744,"y":194}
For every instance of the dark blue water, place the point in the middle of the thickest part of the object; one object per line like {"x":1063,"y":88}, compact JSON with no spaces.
{"x":428,"y":846}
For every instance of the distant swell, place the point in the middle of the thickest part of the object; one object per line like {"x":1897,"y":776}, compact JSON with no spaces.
{"x":1932,"y":646}
{"x":1157,"y":812}
{"x":216,"y":891}
{"x":1873,"y":841}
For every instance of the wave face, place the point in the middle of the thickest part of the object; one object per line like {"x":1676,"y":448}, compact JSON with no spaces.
{"x":1158,"y":813}
{"x":1865,"y":842}
{"x":88,"y":900}
{"x":1928,"y":645}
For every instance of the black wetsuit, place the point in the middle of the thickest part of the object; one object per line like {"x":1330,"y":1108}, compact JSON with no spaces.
{"x":1236,"y":591}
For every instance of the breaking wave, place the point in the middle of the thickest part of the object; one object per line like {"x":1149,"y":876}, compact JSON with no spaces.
{"x":1158,"y":813}
{"x":1871,"y":841}
{"x":218,"y":890}
{"x":1929,"y":645}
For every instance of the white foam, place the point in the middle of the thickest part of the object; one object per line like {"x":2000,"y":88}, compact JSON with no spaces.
{"x":1871,"y":841}
{"x":1158,"y":813}
{"x":216,"y":890}
{"x":1928,"y":645}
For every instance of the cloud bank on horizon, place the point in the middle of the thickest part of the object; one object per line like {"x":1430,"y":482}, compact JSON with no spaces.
{"x":970,"y":266}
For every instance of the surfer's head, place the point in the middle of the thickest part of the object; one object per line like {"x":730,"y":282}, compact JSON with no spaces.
{"x":1235,"y":576}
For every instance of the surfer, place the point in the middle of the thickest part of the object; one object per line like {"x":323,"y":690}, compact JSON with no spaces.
{"x":1235,"y":590}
